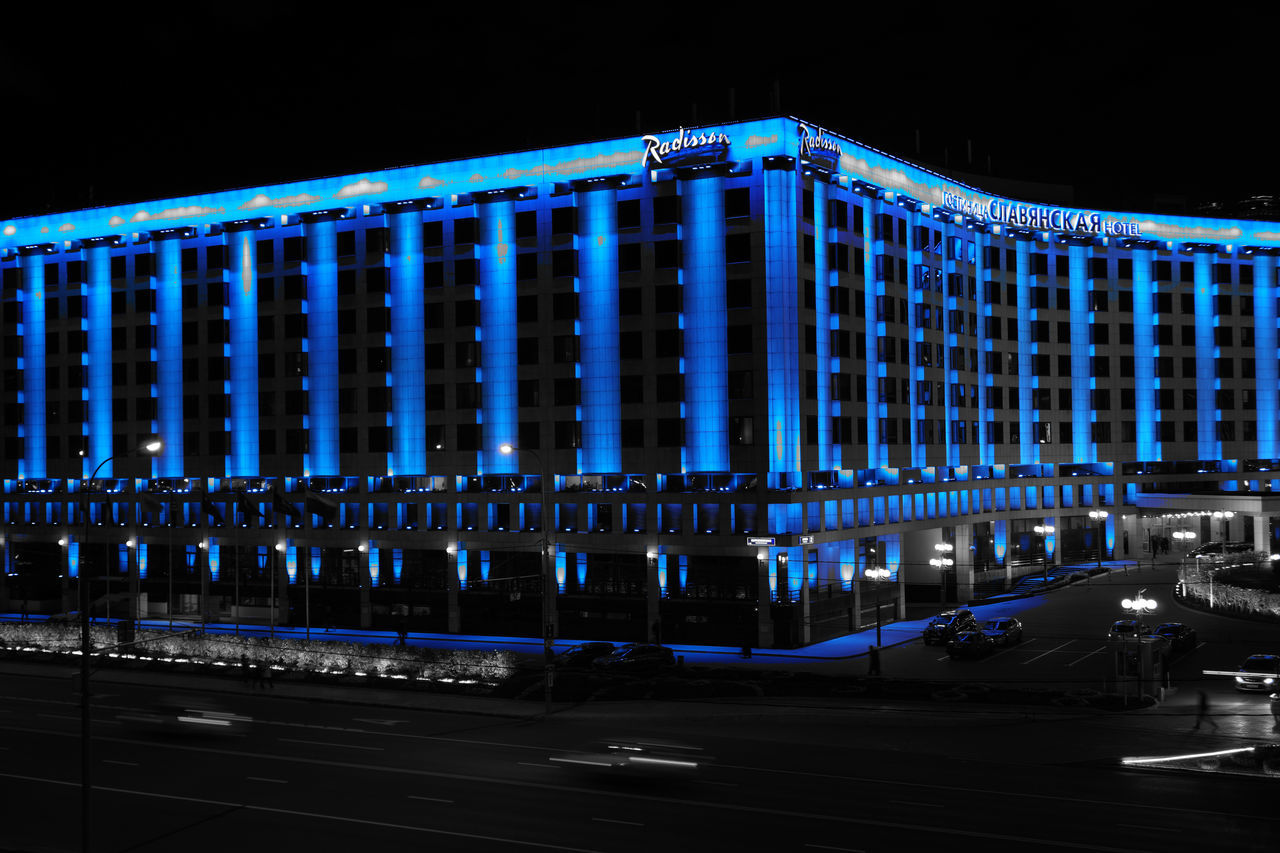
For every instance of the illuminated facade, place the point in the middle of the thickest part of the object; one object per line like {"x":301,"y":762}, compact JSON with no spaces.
{"x":753,"y":360}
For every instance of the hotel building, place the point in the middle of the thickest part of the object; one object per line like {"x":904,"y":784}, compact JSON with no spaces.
{"x":704,"y":378}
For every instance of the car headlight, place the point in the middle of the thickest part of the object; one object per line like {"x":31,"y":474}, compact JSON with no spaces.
{"x":1239,"y":679}
{"x":1268,"y":681}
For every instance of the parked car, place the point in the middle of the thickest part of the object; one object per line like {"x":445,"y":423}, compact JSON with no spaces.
{"x":970,"y":644}
{"x":1004,"y":631}
{"x":1181,"y":637}
{"x":637,"y":657}
{"x":1219,"y":549}
{"x":946,"y":625}
{"x":1127,"y":629}
{"x":583,"y":655}
{"x":1264,"y":673}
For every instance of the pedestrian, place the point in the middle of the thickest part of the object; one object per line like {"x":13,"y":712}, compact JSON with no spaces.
{"x":1275,"y":712}
{"x":264,"y":676}
{"x":873,"y":660}
{"x":246,"y":673}
{"x":1202,"y":712}
{"x":402,"y":634}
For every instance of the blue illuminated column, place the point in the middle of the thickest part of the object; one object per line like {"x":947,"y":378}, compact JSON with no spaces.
{"x":496,"y":264}
{"x":33,"y":363}
{"x":915,"y":297}
{"x":243,"y":387}
{"x":1028,"y":450}
{"x":598,"y":313}
{"x":874,"y":289}
{"x":782,"y":328}
{"x":408,"y":372}
{"x":1207,"y":444}
{"x":1082,"y":447}
{"x":168,"y":251}
{"x":986,"y":450}
{"x":1264,"y":347}
{"x":952,"y":372}
{"x":706,"y":346}
{"x":822,"y":315}
{"x":321,"y":309}
{"x":1144,"y":354}
{"x":97,"y":256}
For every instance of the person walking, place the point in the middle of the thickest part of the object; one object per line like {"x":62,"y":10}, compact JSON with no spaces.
{"x":1275,"y":712}
{"x":1202,"y":712}
{"x":873,"y":660}
{"x":246,"y":672}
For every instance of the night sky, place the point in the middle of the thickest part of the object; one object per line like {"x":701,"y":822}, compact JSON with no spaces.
{"x":1132,"y":110}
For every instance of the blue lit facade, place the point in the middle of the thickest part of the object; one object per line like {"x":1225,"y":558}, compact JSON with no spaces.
{"x":741,"y":364}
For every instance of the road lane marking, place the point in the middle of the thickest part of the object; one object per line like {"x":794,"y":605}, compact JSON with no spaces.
{"x":265,"y":779}
{"x":1051,"y":651}
{"x":328,"y":743}
{"x":622,"y":822}
{"x":531,"y":764}
{"x":122,"y":763}
{"x":1086,"y":657}
{"x":316,"y":815}
{"x":1150,"y":828}
{"x":841,"y":849}
{"x":430,"y":799}
{"x":59,"y":717}
{"x":915,"y":804}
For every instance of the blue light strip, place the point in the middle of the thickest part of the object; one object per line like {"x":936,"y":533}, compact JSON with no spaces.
{"x":243,"y":387}
{"x":98,"y":277}
{"x":822,"y":315}
{"x":1028,"y":450}
{"x":705,"y":333}
{"x":408,"y":385}
{"x":1144,"y":352}
{"x":33,"y":364}
{"x":322,"y":346}
{"x":496,"y":261}
{"x":1207,"y":445}
{"x":598,"y":311}
{"x":783,"y":333}
{"x":169,"y":355}
{"x":1264,"y":347}
{"x":1082,"y":447}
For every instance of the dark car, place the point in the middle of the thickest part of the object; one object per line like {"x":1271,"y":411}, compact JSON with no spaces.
{"x":583,"y":655}
{"x":1181,"y":637}
{"x":178,"y":715}
{"x":1264,"y":673}
{"x":637,"y":657}
{"x":970,"y":644}
{"x":946,"y":625}
{"x":1127,"y":629}
{"x":1004,"y":631}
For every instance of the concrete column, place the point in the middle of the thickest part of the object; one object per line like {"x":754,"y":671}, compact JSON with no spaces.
{"x":764,"y":606}
{"x":804,"y":600}
{"x":963,"y":555}
{"x":653,"y":593}
{"x":366,"y":581}
{"x":452,"y":586}
{"x":1262,"y":534}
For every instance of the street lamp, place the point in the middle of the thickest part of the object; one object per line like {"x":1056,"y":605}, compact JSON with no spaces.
{"x":877,"y":574}
{"x":943,"y":563}
{"x":1099,"y":517}
{"x":1044,"y":531}
{"x":1139,"y":605}
{"x":548,"y":578}
{"x":151,"y":448}
{"x":1183,"y":538}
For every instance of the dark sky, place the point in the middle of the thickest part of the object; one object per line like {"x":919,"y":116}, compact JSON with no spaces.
{"x":146,"y":104}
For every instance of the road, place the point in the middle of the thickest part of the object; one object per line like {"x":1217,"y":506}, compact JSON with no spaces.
{"x":803,"y":776}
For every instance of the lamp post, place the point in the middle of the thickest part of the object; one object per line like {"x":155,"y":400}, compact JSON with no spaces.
{"x":1183,"y":538}
{"x":151,"y":448}
{"x":1044,"y":531}
{"x":877,"y":575}
{"x":1099,"y":517}
{"x":1138,"y":605}
{"x":943,"y":564}
{"x":548,"y":578}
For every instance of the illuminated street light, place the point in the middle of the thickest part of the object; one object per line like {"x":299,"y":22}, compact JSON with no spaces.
{"x":1044,"y":531}
{"x":877,"y":574}
{"x":1099,"y":517}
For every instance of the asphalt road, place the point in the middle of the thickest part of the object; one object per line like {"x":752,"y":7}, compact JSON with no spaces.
{"x":803,"y":776}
